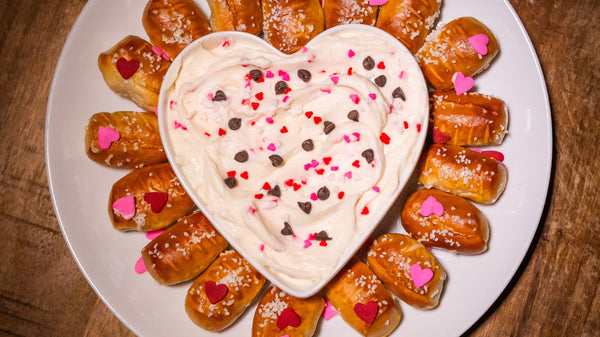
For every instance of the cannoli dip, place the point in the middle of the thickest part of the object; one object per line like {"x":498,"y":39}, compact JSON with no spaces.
{"x":295,"y":158}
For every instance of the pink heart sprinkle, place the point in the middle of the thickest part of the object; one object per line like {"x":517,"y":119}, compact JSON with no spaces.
{"x":348,"y":174}
{"x":177,"y":125}
{"x":140,"y":267}
{"x":269,"y":120}
{"x":372,"y":96}
{"x":313,"y":197}
{"x":335,"y":168}
{"x":402,"y":74}
{"x":377,"y":2}
{"x":286,"y":77}
{"x":420,"y":276}
{"x":271,"y":147}
{"x":354,"y":98}
{"x":335,"y":79}
{"x":154,"y":234}
{"x":376,"y":189}
{"x":269,"y":74}
{"x":285,"y":99}
{"x":462,"y":84}
{"x":351,"y":53}
{"x":262,"y":247}
{"x":307,"y":167}
{"x":432,"y":206}
{"x":304,"y":49}
{"x":107,"y":136}
{"x":307,"y":243}
{"x":125,"y":207}
{"x":329,"y":312}
{"x":326,"y":91}
{"x":346,"y":138}
{"x":479,"y":43}
{"x":314,"y":163}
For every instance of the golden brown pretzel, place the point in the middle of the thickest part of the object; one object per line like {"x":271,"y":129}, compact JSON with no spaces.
{"x":342,"y":12}
{"x":464,"y":173}
{"x":439,"y":219}
{"x":222,"y":293}
{"x":471,"y":119}
{"x":289,"y":24}
{"x":171,"y":25}
{"x":158,"y":198}
{"x":407,"y":269}
{"x":184,"y":250}
{"x":362,"y":300}
{"x":409,"y":20}
{"x":277,"y":310}
{"x":447,"y":51}
{"x":133,"y":70}
{"x":138,"y":143}
{"x":237,"y":15}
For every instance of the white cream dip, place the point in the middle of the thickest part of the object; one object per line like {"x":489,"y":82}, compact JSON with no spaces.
{"x":271,"y":166}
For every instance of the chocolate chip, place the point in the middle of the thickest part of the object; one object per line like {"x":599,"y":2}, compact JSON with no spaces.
{"x":328,"y":127}
{"x":368,"y":155}
{"x":304,"y":75}
{"x":398,"y":93}
{"x":276,"y":160}
{"x":323,"y":193}
{"x":235,"y":123}
{"x":280,"y":87}
{"x":275,"y":191}
{"x":255,"y":74}
{"x":219,"y":96}
{"x":353,"y":115}
{"x":381,"y":80}
{"x":308,"y":145}
{"x":322,"y":235}
{"x":241,"y":156}
{"x":231,"y":182}
{"x":287,"y":229}
{"x":305,"y":206}
{"x":368,"y":63}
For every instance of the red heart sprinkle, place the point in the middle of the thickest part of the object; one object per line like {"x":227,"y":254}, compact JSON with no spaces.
{"x":365,"y":211}
{"x":323,"y":243}
{"x":222,"y":132}
{"x":356,"y":164}
{"x":297,"y":186}
{"x":260,"y":96}
{"x":340,"y":195}
{"x":288,"y":317}
{"x":326,"y":160}
{"x":231,"y":174}
{"x":349,"y":71}
{"x":127,"y":68}
{"x":266,"y":186}
{"x":366,"y":312}
{"x":244,"y":175}
{"x":215,"y":292}
{"x":157,"y":200}
{"x":494,"y":154}
{"x":385,"y":139}
{"x":308,"y":114}
{"x":320,"y":171}
{"x":283,"y":129}
{"x":258,"y":196}
{"x":317,"y":119}
{"x":289,"y":182}
{"x":439,"y":137}
{"x":255,"y":105}
{"x":405,"y":124}
{"x":381,"y":65}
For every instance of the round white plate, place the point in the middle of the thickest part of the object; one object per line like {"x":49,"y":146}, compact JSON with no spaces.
{"x":107,"y":257}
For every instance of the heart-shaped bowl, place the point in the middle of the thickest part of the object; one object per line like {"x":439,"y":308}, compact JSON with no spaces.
{"x":295,"y":159}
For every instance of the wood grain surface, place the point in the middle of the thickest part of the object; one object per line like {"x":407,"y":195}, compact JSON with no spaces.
{"x":554,"y":293}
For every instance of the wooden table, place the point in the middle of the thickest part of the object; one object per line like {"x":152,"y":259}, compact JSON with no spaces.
{"x":554,"y":293}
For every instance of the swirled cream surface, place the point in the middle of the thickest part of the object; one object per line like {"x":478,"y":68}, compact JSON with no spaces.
{"x":295,"y":158}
